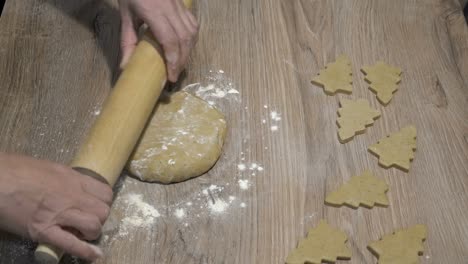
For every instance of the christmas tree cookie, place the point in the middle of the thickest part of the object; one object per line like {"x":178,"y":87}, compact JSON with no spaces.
{"x":336,"y":77}
{"x":397,"y":149}
{"x":383,"y":79}
{"x":354,"y":117}
{"x":366,"y":190}
{"x":403,"y":246}
{"x":322,"y":244}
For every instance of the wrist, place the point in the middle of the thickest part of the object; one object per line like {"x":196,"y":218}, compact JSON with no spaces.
{"x":10,"y":205}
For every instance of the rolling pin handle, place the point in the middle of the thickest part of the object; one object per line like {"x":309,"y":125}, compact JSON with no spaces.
{"x":47,"y":254}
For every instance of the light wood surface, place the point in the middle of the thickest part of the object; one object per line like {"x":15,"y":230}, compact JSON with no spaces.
{"x":58,"y":60}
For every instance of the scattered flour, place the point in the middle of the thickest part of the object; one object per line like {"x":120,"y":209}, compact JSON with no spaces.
{"x":244,"y":184}
{"x":243,"y":205}
{"x":104,"y":239}
{"x":253,"y":166}
{"x":138,"y":214}
{"x":217,"y":206}
{"x":274,"y":128}
{"x":241,"y":167}
{"x":180,"y":213}
{"x":275,"y":116}
{"x":216,"y":86}
{"x":215,"y":188}
{"x":97,"y":110}
{"x":219,"y":93}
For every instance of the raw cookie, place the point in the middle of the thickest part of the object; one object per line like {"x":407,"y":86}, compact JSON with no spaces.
{"x":403,"y":246}
{"x":322,"y":243}
{"x":365,"y":190}
{"x":336,"y":77}
{"x":354,"y":117}
{"x":183,"y":139}
{"x":383,"y":79}
{"x":397,"y":149}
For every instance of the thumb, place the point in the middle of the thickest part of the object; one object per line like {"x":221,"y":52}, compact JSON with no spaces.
{"x":128,"y":38}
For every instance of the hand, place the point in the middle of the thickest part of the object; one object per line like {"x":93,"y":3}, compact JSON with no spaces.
{"x":171,"y":23}
{"x":53,"y":204}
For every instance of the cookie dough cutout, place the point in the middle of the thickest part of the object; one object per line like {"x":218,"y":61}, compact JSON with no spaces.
{"x":383,"y":79}
{"x":182,"y":140}
{"x":354,"y":117}
{"x":336,"y":77}
{"x":404,"y":246}
{"x":366,"y":190}
{"x":322,"y":243}
{"x":397,"y":149}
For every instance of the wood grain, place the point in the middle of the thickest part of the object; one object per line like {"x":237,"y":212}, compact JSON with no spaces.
{"x":58,"y":60}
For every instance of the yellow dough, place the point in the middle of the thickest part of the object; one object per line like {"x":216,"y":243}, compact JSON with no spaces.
{"x":354,"y":117}
{"x":397,"y":149}
{"x":366,"y":190}
{"x":336,"y":77}
{"x":404,"y":246}
{"x":182,"y":140}
{"x":322,"y":243}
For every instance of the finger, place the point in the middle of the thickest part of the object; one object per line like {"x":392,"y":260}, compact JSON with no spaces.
{"x":97,"y":189}
{"x":71,"y":244}
{"x":191,"y":24}
{"x":128,"y":37}
{"x":184,"y":16}
{"x":193,"y":20}
{"x":93,"y":206}
{"x":88,"y":225}
{"x":167,"y":37}
{"x":184,"y":35}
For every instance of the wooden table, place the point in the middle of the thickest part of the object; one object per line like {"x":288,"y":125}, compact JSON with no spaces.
{"x":58,"y":60}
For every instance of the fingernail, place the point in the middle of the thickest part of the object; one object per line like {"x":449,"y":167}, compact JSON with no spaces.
{"x":97,"y":251}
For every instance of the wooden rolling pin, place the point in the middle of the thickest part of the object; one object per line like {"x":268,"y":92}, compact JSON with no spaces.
{"x":116,"y":131}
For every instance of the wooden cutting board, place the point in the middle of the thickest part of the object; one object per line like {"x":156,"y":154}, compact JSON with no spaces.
{"x":57,"y":64}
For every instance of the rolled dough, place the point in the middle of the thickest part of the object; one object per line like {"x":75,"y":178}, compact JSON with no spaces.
{"x":182,"y":140}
